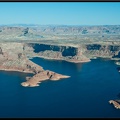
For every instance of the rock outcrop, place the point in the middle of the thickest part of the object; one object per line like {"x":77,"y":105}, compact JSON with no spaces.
{"x":99,"y":50}
{"x":41,"y":76}
{"x":79,"y":53}
{"x":59,"y":52}
{"x":15,"y":59}
{"x":76,"y":54}
{"x":115,"y":103}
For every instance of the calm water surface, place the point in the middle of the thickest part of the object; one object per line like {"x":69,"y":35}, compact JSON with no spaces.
{"x":84,"y":95}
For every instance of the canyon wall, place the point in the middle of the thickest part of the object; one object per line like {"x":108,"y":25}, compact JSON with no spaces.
{"x":81,"y":53}
{"x":58,"y":52}
{"x":107,"y":51}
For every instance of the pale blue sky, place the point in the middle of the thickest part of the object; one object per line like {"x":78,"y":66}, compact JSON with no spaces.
{"x":62,"y":13}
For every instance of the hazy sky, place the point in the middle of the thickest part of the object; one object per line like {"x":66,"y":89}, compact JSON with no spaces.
{"x":65,"y":13}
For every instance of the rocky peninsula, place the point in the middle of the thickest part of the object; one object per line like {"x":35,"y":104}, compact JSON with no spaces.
{"x":14,"y":58}
{"x":41,"y":76}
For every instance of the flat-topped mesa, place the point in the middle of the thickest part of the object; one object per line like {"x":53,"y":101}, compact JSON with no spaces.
{"x":24,"y":65}
{"x":42,"y":76}
{"x":59,"y":52}
{"x":115,"y":103}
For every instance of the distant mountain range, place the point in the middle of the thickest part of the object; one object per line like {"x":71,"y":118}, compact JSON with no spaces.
{"x":60,"y":32}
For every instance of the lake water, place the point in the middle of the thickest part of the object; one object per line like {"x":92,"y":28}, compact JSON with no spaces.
{"x":84,"y":95}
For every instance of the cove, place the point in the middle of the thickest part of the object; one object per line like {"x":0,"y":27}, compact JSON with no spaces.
{"x":84,"y":95}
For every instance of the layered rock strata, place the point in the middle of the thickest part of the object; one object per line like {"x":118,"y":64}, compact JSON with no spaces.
{"x":15,"y":59}
{"x":41,"y":76}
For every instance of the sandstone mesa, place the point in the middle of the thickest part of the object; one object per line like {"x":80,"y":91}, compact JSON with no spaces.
{"x":15,"y":59}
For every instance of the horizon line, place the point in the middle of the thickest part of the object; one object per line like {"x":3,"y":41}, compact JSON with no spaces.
{"x":60,"y":24}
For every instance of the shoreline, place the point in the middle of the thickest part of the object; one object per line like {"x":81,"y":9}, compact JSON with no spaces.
{"x":56,"y":59}
{"x":73,"y":61}
{"x":42,"y":76}
{"x":31,"y":72}
{"x":13,"y":70}
{"x":39,"y":74}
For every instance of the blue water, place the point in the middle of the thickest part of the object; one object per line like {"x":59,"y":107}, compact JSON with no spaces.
{"x":84,"y":95}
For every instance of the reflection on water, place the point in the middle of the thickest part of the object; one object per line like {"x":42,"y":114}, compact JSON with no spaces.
{"x":78,"y":66}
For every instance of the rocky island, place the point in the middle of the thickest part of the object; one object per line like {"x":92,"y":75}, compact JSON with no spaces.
{"x":115,"y":103}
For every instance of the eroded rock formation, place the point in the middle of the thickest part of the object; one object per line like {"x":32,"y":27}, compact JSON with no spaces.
{"x":59,"y":52}
{"x":115,"y":103}
{"x":41,"y":76}
{"x":15,"y":59}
